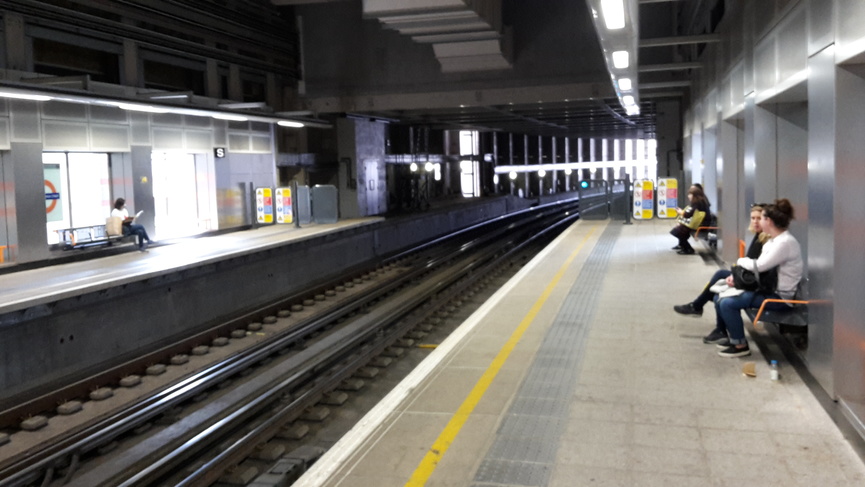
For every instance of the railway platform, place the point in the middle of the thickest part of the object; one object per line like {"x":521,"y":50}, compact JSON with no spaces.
{"x":579,"y":373}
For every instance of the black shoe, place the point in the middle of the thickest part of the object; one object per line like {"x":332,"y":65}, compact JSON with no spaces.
{"x":677,"y":247}
{"x":688,"y":309}
{"x":723,"y":344}
{"x":716,"y":336}
{"x":686,"y":252}
{"x":735,"y":351}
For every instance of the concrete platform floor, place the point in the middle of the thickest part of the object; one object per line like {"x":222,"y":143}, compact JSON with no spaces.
{"x":579,"y":373}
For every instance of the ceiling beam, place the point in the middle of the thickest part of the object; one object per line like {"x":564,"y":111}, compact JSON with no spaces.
{"x":649,"y":68}
{"x":458,"y":98}
{"x":680,"y":40}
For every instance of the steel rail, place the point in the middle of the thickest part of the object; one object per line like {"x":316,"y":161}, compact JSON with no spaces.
{"x":107,"y":430}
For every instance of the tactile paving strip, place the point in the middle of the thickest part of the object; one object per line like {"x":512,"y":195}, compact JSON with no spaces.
{"x":525,"y":447}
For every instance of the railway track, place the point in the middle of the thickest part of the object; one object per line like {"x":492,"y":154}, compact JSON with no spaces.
{"x":204,"y":412}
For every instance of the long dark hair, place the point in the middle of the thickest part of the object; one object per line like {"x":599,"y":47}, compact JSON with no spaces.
{"x":698,"y":198}
{"x":780,"y":212}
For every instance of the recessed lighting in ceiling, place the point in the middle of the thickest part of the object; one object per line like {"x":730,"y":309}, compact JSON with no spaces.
{"x":614,"y":14}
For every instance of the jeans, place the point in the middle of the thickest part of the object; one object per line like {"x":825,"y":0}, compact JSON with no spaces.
{"x":729,"y":316}
{"x":707,"y":295}
{"x":139,"y":231}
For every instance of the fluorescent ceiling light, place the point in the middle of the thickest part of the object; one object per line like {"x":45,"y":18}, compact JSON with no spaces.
{"x":232,"y":118}
{"x":614,"y":13}
{"x":628,"y":100}
{"x":621,"y":59}
{"x":286,"y":123}
{"x":625,"y":84}
{"x":140,"y":108}
{"x":22,"y":96}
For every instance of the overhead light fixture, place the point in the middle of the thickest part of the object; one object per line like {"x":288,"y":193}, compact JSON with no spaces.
{"x":628,"y":100}
{"x":230,"y":118}
{"x":614,"y":14}
{"x":512,"y":175}
{"x":542,"y":173}
{"x":429,"y":167}
{"x":22,"y":96}
{"x":133,"y":107}
{"x":413,"y":167}
{"x":621,"y":59}
{"x":625,"y":84}
{"x":288,"y":123}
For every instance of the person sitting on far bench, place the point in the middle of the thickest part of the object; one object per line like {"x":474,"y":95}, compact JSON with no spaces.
{"x":695,"y":307}
{"x":130,"y":228}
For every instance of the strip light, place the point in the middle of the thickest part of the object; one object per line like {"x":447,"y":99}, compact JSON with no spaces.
{"x":614,"y":14}
{"x":21,"y":96}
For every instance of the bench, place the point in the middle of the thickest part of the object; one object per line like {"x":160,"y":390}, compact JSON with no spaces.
{"x":710,"y":236}
{"x":89,"y":236}
{"x":796,"y":316}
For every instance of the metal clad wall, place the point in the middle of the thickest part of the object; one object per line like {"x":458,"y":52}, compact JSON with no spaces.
{"x":849,"y":224}
{"x":821,"y":236}
{"x":792,"y":177}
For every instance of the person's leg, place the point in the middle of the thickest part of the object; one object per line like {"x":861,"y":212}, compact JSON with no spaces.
{"x":695,"y":307}
{"x":707,"y":294}
{"x":719,"y":334}
{"x":686,"y":247}
{"x":139,"y":232}
{"x":730,"y":310}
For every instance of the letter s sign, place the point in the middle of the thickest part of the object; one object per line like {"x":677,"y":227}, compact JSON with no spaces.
{"x":219,"y":152}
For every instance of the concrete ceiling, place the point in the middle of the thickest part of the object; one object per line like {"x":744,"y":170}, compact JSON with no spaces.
{"x":502,"y":65}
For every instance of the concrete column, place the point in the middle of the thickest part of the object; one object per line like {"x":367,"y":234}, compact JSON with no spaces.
{"x":16,"y":50}
{"x":131,"y":72}
{"x":23,"y":172}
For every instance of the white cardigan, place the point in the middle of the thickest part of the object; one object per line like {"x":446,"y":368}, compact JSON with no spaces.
{"x":784,"y":253}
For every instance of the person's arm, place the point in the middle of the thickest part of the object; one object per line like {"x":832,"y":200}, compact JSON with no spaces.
{"x":772,"y":256}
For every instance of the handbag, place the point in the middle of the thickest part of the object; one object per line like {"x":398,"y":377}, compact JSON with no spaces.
{"x":763,"y":283}
{"x":744,"y":279}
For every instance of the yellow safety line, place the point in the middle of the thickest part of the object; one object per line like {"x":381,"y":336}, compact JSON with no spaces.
{"x":447,"y":436}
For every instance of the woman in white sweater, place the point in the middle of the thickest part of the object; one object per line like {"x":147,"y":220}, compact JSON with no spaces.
{"x":781,"y":252}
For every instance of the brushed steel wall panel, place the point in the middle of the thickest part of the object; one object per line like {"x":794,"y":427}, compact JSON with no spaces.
{"x":63,"y":136}
{"x":109,"y":138}
{"x":821,"y":231}
{"x":765,"y":155}
{"x":260,"y":143}
{"x":820,"y":26}
{"x":849,"y":226}
{"x":197,"y":141}
{"x":99,"y":113}
{"x":848,"y":29}
{"x":139,"y":124}
{"x":64,"y":111}
{"x":792,"y":45}
{"x":5,"y":134}
{"x":167,"y":138}
{"x":24,"y":116}
{"x":792,"y":177}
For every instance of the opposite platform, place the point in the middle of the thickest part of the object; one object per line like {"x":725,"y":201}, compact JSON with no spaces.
{"x":578,"y":372}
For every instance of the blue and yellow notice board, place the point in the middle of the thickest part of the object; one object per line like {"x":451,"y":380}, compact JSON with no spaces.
{"x":264,"y":205}
{"x":644,"y":196}
{"x":668,"y":197}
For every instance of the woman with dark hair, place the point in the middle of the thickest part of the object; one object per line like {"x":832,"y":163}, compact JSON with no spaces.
{"x":781,"y":252}
{"x":130,"y":228}
{"x":690,"y":219}
{"x":695,"y":307}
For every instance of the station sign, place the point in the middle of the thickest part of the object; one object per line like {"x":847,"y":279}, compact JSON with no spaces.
{"x":668,"y":197}
{"x":264,"y":205}
{"x":644,"y":196}
{"x":283,"y":206}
